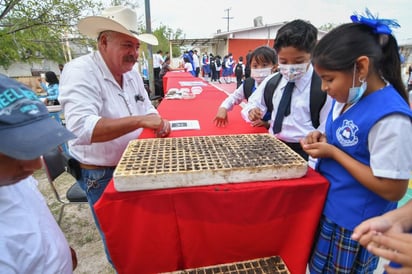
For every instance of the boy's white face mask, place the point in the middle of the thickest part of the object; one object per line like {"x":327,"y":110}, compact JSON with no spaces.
{"x":260,"y":74}
{"x":293,"y":72}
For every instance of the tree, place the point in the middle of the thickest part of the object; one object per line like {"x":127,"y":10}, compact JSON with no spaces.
{"x":33,"y":30}
{"x":164,"y":34}
{"x":327,"y":26}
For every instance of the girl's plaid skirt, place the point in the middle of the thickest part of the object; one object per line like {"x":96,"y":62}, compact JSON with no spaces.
{"x":335,"y":252}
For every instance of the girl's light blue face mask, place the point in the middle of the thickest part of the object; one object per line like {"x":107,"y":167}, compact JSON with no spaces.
{"x":355,"y":93}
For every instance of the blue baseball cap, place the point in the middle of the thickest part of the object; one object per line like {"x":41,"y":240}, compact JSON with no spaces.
{"x":26,"y":129}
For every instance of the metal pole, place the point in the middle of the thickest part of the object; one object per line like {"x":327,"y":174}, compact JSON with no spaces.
{"x":149,"y":47}
{"x":227,"y":17}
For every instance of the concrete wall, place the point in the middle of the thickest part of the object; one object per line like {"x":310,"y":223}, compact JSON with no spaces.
{"x":27,"y":69}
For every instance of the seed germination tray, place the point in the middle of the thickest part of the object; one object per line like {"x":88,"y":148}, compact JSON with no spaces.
{"x":205,"y":160}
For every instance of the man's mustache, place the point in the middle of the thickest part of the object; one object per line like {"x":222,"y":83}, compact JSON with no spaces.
{"x":130,"y":58}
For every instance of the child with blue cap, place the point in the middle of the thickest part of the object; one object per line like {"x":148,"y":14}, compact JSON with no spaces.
{"x":30,"y":239}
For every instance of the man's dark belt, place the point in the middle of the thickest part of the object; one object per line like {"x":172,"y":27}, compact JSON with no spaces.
{"x":91,"y":167}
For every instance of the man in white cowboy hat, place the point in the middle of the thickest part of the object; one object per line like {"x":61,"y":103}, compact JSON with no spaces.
{"x":104,"y":100}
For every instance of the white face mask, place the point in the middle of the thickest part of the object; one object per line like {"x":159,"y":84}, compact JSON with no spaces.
{"x":293,"y":72}
{"x":355,"y":93}
{"x":260,"y":74}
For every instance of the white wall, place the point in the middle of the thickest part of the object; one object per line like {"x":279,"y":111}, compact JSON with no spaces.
{"x":25,"y":69}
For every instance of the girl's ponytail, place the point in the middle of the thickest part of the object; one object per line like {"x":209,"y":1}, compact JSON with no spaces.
{"x":390,"y":65}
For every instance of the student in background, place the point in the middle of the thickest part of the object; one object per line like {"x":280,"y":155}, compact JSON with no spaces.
{"x":263,"y":63}
{"x":188,"y":67}
{"x":196,"y":63}
{"x":52,"y":88}
{"x":166,"y":67}
{"x":213,"y":68}
{"x":239,"y":72}
{"x":366,"y":151}
{"x":157,"y":63}
{"x":218,"y":64}
{"x":205,"y":66}
{"x":228,"y":63}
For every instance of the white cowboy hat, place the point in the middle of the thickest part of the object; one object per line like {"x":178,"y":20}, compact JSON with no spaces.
{"x":118,"y":18}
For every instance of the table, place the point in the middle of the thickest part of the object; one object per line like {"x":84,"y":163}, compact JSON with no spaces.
{"x":55,"y":112}
{"x":169,"y":79}
{"x":164,"y":230}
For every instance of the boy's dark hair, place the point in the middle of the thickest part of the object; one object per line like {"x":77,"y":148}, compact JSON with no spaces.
{"x":339,"y":49}
{"x":264,"y":54}
{"x":298,"y":34}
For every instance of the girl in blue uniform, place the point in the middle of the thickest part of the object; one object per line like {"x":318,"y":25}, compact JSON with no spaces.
{"x":263,"y":61}
{"x":366,"y":152}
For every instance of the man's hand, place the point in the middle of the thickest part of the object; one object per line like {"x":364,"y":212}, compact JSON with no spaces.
{"x":163,"y":130}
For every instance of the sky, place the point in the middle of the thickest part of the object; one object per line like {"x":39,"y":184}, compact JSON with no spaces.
{"x":202,"y":19}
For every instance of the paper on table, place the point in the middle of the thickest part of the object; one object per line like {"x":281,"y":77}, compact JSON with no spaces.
{"x":191,"y":83}
{"x":184,"y":124}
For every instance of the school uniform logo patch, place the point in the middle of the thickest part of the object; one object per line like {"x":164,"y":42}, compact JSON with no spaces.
{"x":346,"y":134}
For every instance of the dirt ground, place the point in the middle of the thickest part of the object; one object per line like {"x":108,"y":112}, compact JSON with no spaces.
{"x":78,"y":226}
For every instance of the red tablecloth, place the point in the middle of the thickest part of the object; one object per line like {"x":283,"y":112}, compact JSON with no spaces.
{"x":176,"y":75}
{"x":165,"y":230}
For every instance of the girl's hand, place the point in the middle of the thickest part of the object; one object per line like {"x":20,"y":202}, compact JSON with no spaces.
{"x":314,"y":137}
{"x":221,"y":119}
{"x":255,"y":114}
{"x":315,"y":144}
{"x":318,"y":150}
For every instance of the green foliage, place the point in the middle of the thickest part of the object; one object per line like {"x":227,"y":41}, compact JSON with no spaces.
{"x":327,"y":27}
{"x":164,"y":34}
{"x":32,"y":30}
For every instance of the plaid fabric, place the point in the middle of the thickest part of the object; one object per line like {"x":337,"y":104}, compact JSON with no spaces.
{"x":336,"y":252}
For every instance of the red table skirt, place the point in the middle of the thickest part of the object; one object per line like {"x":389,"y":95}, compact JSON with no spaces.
{"x":169,"y":78}
{"x":165,"y":230}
